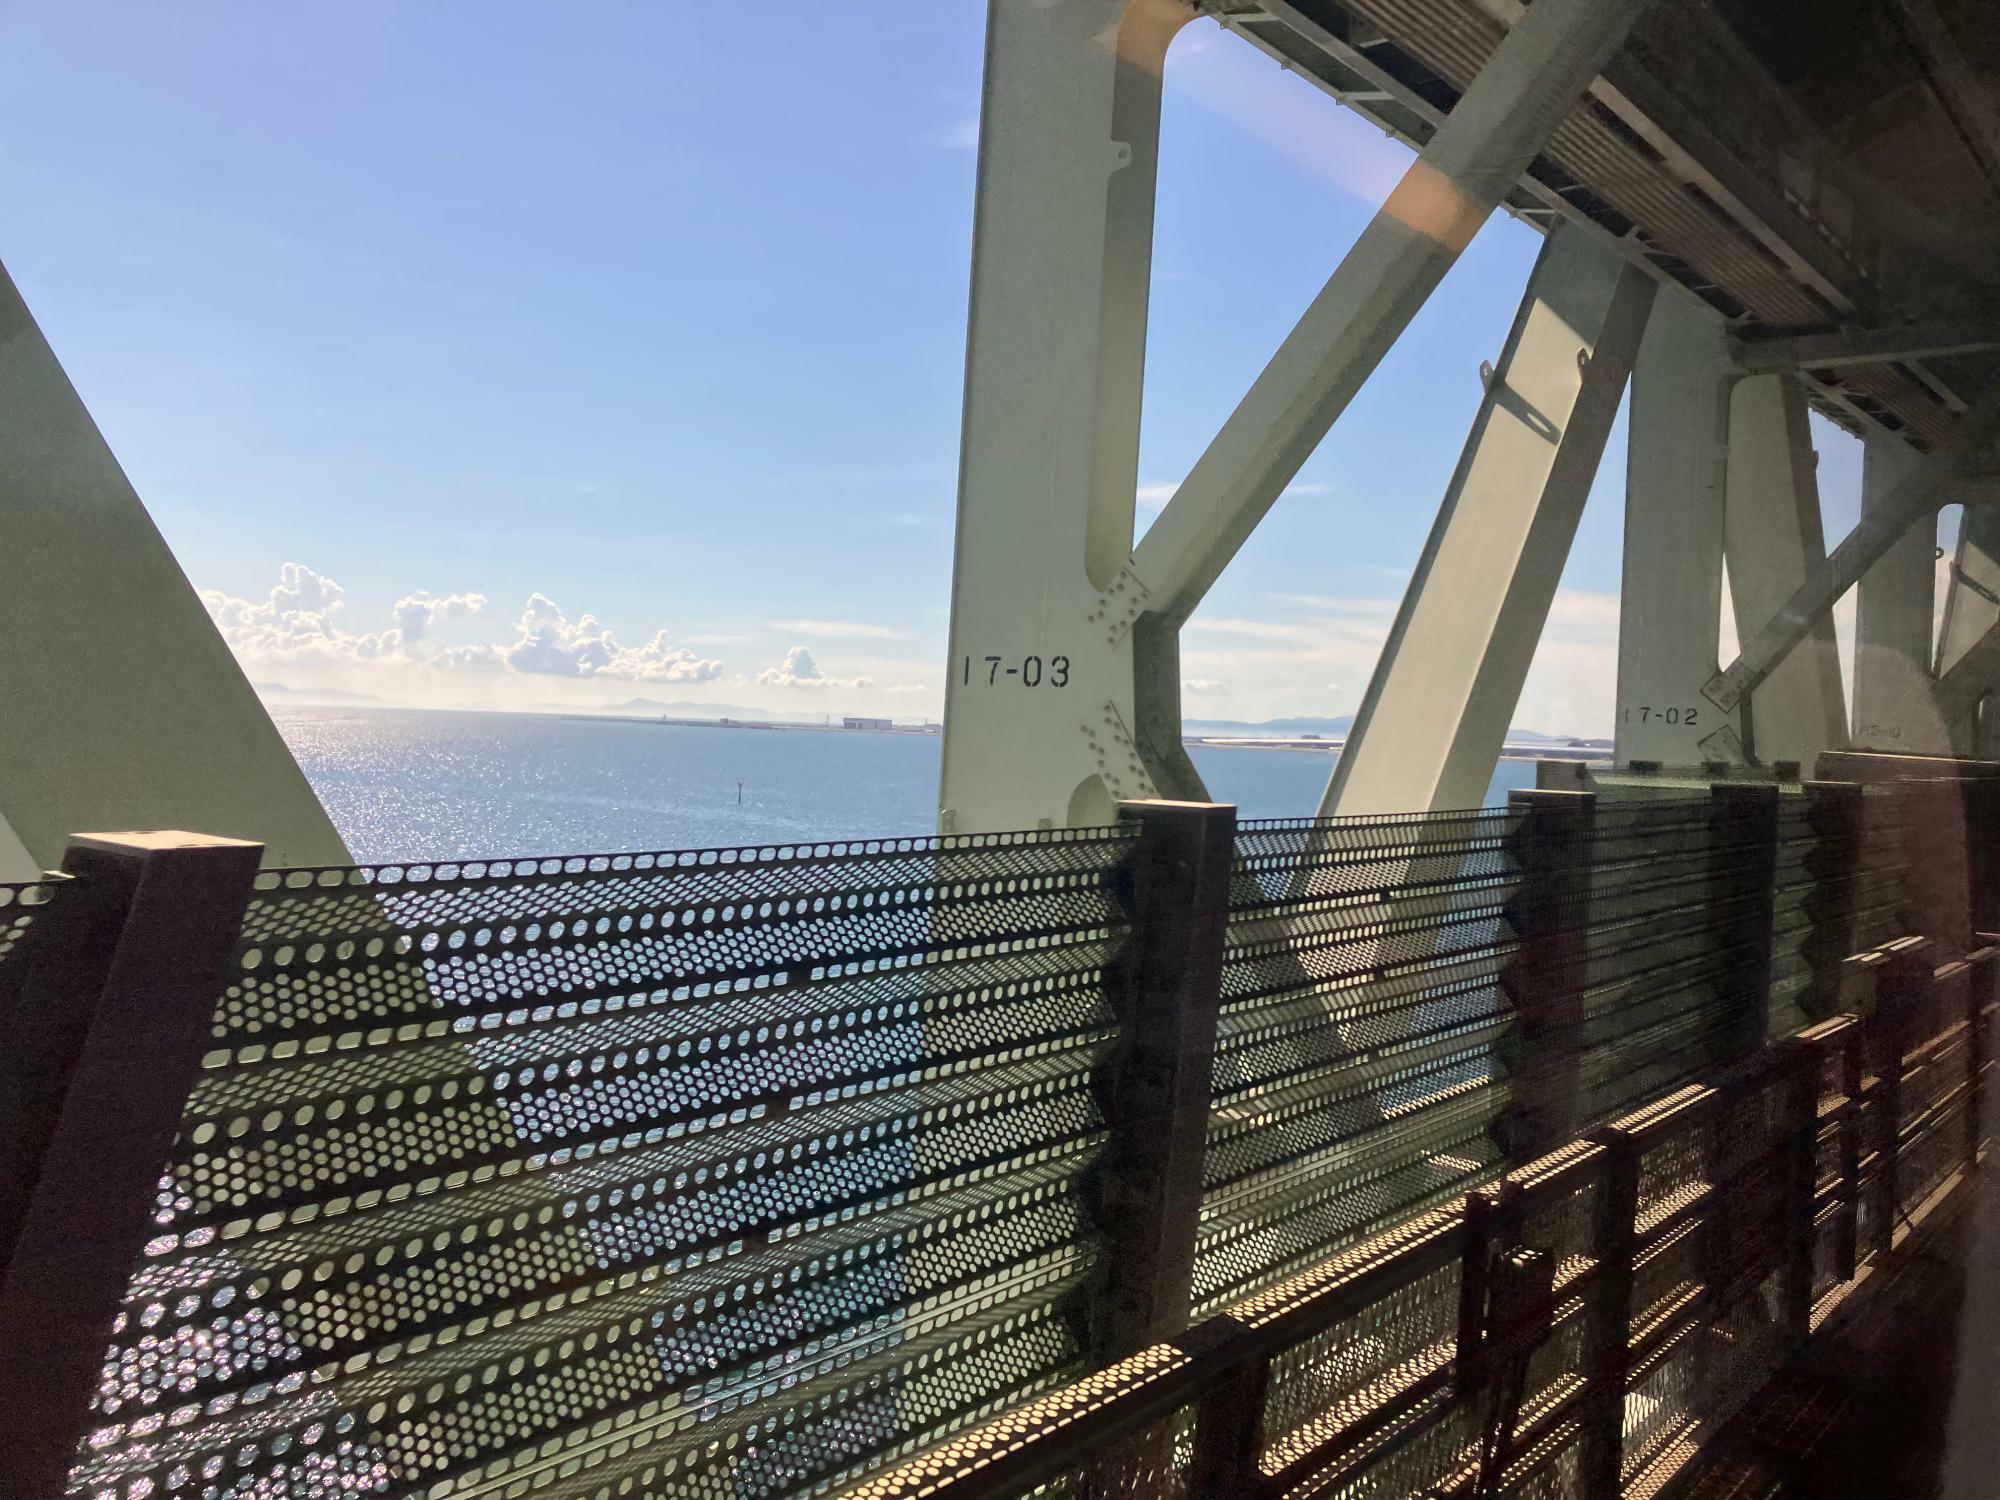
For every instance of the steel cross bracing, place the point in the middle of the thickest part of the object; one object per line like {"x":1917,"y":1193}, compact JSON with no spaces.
{"x":1777,"y":283}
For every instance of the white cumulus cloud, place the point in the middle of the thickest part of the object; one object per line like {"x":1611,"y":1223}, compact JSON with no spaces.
{"x":416,"y":614}
{"x":296,"y":622}
{"x":799,"y":670}
{"x":550,"y":644}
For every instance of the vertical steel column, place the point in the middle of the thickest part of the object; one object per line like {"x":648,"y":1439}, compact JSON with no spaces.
{"x":1546,"y":979}
{"x":1893,"y":703}
{"x":1443,"y":692}
{"x":1038,"y":695}
{"x":103,"y":1053}
{"x":1670,"y":601}
{"x":1743,"y":871}
{"x":1155,"y":1086}
{"x":1772,"y":539}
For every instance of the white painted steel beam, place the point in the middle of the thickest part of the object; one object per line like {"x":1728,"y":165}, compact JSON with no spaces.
{"x":1044,"y":722}
{"x":1435,"y":714}
{"x":1773,"y":540}
{"x":1921,"y":492}
{"x":1670,"y":600}
{"x":1866,"y":346}
{"x":1038,"y":701}
{"x":1536,"y":77}
{"x":123,"y":708}
{"x":1895,"y":703}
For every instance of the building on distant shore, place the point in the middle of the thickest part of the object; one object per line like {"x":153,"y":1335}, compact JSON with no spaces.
{"x":851,"y":722}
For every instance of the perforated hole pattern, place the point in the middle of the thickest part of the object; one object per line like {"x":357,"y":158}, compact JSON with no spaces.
{"x":25,"y":909}
{"x":714,"y":1174}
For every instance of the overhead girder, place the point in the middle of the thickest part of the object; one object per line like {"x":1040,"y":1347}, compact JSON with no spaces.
{"x":1510,"y":110}
{"x":123,"y":707}
{"x":1063,"y":686}
{"x":1862,"y":346}
{"x":1435,"y":715}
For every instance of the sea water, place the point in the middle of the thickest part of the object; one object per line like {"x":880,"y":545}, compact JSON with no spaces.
{"x":409,"y":784}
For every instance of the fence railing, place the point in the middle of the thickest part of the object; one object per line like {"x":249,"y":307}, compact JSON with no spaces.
{"x":1580,"y":1327}
{"x":749,"y":1172}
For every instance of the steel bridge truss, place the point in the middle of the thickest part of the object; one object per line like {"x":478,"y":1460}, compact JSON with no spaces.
{"x":1064,"y":688}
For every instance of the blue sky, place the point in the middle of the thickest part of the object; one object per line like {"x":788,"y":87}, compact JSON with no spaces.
{"x":657,"y":313}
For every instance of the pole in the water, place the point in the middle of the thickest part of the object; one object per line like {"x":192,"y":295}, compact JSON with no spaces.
{"x":739,"y":794}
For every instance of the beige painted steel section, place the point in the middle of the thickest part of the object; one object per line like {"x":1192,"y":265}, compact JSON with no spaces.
{"x":1921,"y":492}
{"x":1038,"y":700}
{"x":16,"y":863}
{"x":1536,"y":77}
{"x":1895,"y":706}
{"x":1975,"y":574}
{"x":1433,"y":720}
{"x":1670,"y":602}
{"x":1968,"y":648}
{"x":1772,"y":540}
{"x":123,"y":707}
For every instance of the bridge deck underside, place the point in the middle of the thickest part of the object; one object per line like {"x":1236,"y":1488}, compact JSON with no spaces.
{"x":1847,"y":197}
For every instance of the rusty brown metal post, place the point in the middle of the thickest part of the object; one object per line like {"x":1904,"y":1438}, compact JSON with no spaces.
{"x":1156,"y":1084}
{"x":1546,"y":979}
{"x":1743,"y":877}
{"x":1938,"y":830}
{"x":1834,"y":814}
{"x":1607,"y":1346}
{"x":1797,"y":1065}
{"x":1229,"y":1428}
{"x":1982,"y":829}
{"x":1904,"y":984}
{"x":103,"y":1049}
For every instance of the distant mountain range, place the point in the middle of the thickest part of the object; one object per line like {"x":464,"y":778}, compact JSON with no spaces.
{"x":1338,"y":727}
{"x":655,"y":708}
{"x":1334,"y":728}
{"x":279,"y":692}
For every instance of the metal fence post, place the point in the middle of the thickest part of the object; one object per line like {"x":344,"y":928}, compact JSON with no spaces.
{"x":1743,"y":877}
{"x":1155,"y":1086}
{"x":1938,"y":826}
{"x":1797,"y":1065}
{"x":100,"y":1055}
{"x":1229,"y":1429}
{"x":1984,"y":966}
{"x":1982,"y":832}
{"x":1834,"y":813}
{"x":1546,"y":978}
{"x":1608,"y":1330}
{"x":1903,"y":983}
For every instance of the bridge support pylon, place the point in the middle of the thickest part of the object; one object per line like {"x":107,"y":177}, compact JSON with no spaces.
{"x":1062,"y":686}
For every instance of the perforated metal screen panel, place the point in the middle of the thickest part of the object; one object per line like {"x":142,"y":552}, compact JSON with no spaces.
{"x":26,"y":910}
{"x":1355,"y":1079}
{"x":701,"y":1174}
